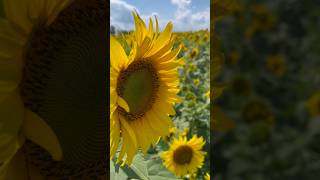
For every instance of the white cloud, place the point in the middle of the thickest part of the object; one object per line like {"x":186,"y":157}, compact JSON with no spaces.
{"x":181,"y":2}
{"x":121,"y":14}
{"x":184,"y":19}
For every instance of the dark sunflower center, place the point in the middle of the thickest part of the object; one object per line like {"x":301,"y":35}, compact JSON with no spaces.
{"x":183,"y":155}
{"x":138,"y":85}
{"x":64,"y":82}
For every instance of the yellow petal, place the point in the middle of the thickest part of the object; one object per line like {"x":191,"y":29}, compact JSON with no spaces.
{"x":11,"y":113}
{"x":164,"y":37}
{"x":8,"y":147}
{"x":9,"y":47}
{"x":10,"y":74}
{"x":125,"y":126}
{"x":17,"y":13}
{"x":40,"y":133}
{"x":150,"y":32}
{"x":6,"y":88}
{"x":118,"y":57}
{"x":122,"y":103}
{"x":9,"y":31}
{"x":114,"y":133}
{"x":53,"y":8}
{"x":20,"y":169}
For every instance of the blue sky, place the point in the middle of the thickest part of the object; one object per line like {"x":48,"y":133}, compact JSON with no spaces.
{"x":186,"y":15}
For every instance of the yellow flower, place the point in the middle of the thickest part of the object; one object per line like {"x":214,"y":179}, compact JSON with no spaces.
{"x":313,"y":105}
{"x":277,"y":65}
{"x":207,"y":94}
{"x":50,"y":59}
{"x":192,"y":176}
{"x":223,"y":8}
{"x":185,"y":132}
{"x":194,"y":53}
{"x":206,"y":37}
{"x":263,"y":20}
{"x":184,"y":157}
{"x":220,"y":121}
{"x":234,"y":57}
{"x":207,"y":176}
{"x":196,"y":38}
{"x":143,"y":89}
{"x":196,"y":82}
{"x":172,"y":131}
{"x":190,"y":96}
{"x":257,"y":110}
{"x":191,"y":67}
{"x":183,"y":47}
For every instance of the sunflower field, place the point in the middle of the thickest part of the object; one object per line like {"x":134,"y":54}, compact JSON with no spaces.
{"x":183,"y":153}
{"x":269,"y":111}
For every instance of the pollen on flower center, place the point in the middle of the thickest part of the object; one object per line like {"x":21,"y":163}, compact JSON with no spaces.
{"x":182,"y":155}
{"x":138,"y":85}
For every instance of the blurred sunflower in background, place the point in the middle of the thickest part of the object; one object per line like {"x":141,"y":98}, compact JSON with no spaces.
{"x":207,"y":177}
{"x":41,"y":94}
{"x":143,"y":89}
{"x":194,"y":52}
{"x":313,"y":105}
{"x":263,"y":20}
{"x":220,"y":8}
{"x":184,"y":156}
{"x":257,"y":110}
{"x":277,"y":65}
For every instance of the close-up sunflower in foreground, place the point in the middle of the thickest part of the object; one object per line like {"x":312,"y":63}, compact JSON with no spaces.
{"x":184,"y":156}
{"x":52,"y":90}
{"x":143,"y":89}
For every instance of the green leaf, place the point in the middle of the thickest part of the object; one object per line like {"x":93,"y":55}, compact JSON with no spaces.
{"x":139,"y":166}
{"x":117,"y":173}
{"x":147,"y":167}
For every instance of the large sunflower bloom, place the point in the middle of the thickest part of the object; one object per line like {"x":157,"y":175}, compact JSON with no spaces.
{"x":41,"y":98}
{"x":143,"y":89}
{"x":184,"y":157}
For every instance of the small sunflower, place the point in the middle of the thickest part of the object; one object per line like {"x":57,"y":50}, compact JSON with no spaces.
{"x":257,"y":110}
{"x":46,"y":45}
{"x":234,"y":57}
{"x":206,"y":37}
{"x":143,"y":89}
{"x":172,"y":131}
{"x":196,"y":82}
{"x":276,"y":64}
{"x":313,"y":105}
{"x":207,"y":94}
{"x":184,"y":157}
{"x":207,"y":176}
{"x":194,"y":53}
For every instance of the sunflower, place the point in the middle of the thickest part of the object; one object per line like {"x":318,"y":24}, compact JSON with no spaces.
{"x":172,"y":131}
{"x":143,"y":89}
{"x":276,"y":64}
{"x":196,"y":82}
{"x":194,"y":53}
{"x":257,"y":110}
{"x":234,"y":57}
{"x":184,"y":157}
{"x":313,"y":105}
{"x":45,"y":46}
{"x":207,"y":176}
{"x":206,"y":37}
